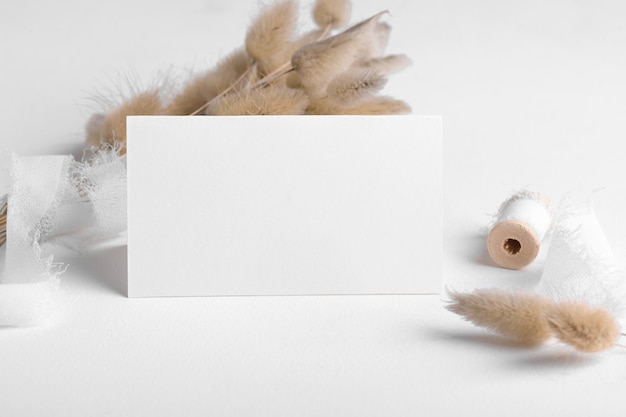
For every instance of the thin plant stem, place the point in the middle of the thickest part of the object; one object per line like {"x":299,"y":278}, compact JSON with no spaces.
{"x":285,"y":69}
{"x":325,"y":33}
{"x":246,"y":73}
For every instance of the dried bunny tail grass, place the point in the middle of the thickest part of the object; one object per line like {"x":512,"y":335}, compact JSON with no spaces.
{"x":319,"y":62}
{"x":355,"y":86}
{"x":272,"y":100}
{"x":292,"y":80}
{"x":3,"y":219}
{"x":307,"y":38}
{"x":374,"y":107}
{"x":585,"y":328}
{"x":110,"y":129}
{"x":269,"y":36}
{"x":332,"y":13}
{"x":379,"y":40}
{"x":515,"y":315}
{"x":322,"y":106}
{"x":378,"y":106}
{"x":204,"y":87}
{"x":388,"y":64}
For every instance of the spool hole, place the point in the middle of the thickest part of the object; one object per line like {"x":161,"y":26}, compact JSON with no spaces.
{"x":512,"y":246}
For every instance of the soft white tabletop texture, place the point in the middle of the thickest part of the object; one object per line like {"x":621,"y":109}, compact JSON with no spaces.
{"x":531,"y":94}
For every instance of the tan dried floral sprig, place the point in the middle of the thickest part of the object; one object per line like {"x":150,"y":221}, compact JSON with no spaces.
{"x":349,"y":61}
{"x":278,"y":72}
{"x":532,"y":320}
{"x":3,"y":221}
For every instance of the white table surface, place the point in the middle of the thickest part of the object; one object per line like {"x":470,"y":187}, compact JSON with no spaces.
{"x":532,"y":94}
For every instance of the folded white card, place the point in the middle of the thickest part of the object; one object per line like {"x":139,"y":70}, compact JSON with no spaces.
{"x":284,"y":205}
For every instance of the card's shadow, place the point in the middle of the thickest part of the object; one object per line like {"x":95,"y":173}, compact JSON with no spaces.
{"x":103,"y":267}
{"x":110,"y":268}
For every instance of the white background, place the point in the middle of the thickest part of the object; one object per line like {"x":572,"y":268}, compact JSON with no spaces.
{"x":532,"y":94}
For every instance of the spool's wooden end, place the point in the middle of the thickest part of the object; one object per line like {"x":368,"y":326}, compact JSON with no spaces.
{"x":513,"y":244}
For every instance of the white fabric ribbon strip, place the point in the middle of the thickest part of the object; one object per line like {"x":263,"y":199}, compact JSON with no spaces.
{"x":54,"y":200}
{"x":580,"y":264}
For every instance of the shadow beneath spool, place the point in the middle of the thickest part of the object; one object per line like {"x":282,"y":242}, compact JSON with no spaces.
{"x":494,"y":275}
{"x":481,"y":255}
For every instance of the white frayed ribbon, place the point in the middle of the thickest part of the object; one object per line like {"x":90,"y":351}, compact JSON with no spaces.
{"x":54,"y":200}
{"x":580,"y":264}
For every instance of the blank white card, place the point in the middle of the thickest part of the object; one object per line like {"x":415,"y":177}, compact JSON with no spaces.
{"x":284,"y":205}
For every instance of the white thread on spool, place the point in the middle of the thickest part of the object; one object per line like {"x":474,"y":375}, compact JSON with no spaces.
{"x":523,"y":220}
